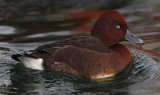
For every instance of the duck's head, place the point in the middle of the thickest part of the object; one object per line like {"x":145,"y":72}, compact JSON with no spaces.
{"x":112,"y":28}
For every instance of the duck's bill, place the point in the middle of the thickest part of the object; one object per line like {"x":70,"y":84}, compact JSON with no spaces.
{"x":132,"y":38}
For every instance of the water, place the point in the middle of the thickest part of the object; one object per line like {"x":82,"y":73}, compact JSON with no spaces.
{"x":23,"y":30}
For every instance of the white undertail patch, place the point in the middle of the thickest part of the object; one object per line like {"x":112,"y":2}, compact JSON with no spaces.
{"x":32,"y":63}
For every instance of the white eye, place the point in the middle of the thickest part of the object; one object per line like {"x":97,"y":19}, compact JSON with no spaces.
{"x":118,"y":26}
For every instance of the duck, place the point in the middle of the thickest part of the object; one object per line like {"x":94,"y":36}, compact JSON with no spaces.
{"x":99,"y":55}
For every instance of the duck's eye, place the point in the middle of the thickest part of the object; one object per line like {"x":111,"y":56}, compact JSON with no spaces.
{"x":118,"y":26}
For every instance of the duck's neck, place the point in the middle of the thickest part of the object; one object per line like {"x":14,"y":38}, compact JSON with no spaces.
{"x":122,"y":50}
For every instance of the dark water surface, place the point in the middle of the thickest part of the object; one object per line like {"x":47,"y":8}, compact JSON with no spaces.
{"x":27,"y":24}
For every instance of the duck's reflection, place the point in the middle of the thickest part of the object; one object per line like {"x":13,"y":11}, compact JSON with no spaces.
{"x":26,"y":81}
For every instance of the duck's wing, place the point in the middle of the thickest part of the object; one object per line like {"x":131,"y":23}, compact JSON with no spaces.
{"x":90,"y":43}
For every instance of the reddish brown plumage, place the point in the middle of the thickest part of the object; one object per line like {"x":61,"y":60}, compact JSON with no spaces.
{"x":90,"y":57}
{"x":105,"y":28}
{"x":90,"y":63}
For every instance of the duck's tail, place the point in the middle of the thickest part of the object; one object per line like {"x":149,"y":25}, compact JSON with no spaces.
{"x":29,"y":61}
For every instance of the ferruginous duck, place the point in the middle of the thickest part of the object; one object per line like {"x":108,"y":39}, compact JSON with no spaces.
{"x":98,"y":56}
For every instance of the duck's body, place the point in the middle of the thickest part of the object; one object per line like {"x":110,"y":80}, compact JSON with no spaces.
{"x":89,"y":57}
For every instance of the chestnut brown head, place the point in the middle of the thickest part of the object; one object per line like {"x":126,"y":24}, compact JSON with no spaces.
{"x":111,"y":28}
